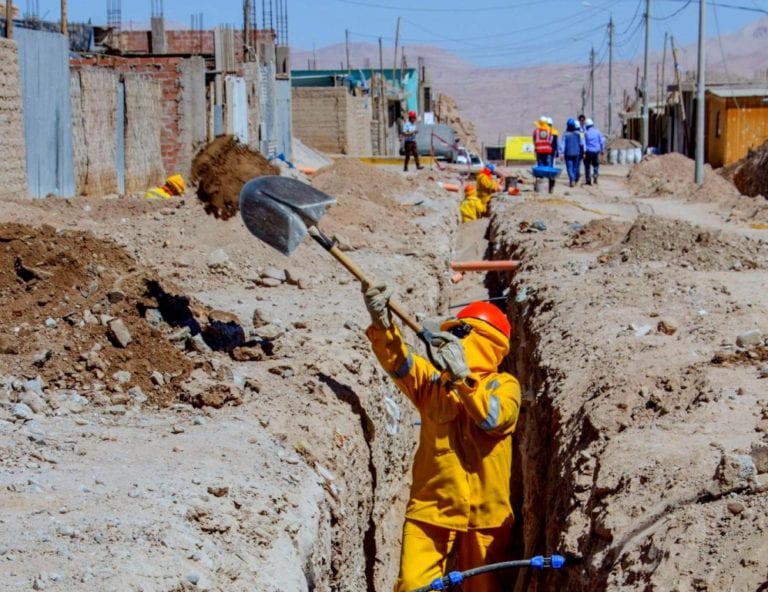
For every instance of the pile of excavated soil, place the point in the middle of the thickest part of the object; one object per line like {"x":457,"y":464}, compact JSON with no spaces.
{"x":366,"y":211}
{"x":60,"y":296}
{"x":673,"y":174}
{"x":680,"y":243}
{"x":750,"y":174}
{"x":598,"y":234}
{"x":221,"y":169}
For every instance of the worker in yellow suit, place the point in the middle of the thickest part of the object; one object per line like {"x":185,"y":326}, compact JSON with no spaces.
{"x":486,"y":184}
{"x":460,"y":497}
{"x":174,"y":186}
{"x":471,"y":207}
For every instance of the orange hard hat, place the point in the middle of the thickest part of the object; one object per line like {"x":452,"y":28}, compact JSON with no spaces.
{"x":490,"y":313}
{"x":411,"y":114}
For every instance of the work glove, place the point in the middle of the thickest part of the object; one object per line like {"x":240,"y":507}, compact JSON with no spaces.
{"x":448,"y":355}
{"x":376,"y":299}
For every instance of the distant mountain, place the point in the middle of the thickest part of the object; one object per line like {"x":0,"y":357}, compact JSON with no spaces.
{"x":506,"y":101}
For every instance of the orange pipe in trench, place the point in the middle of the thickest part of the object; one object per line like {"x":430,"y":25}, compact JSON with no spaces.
{"x":509,"y":265}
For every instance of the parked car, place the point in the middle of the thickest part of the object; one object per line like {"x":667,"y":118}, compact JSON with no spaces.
{"x":464,"y":156}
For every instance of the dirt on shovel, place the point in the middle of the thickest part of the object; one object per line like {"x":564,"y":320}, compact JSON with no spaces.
{"x":221,"y":169}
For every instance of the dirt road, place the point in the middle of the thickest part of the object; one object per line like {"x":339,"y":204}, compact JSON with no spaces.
{"x":641,"y":447}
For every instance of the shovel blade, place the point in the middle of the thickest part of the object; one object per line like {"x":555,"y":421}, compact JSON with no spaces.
{"x":277,"y":210}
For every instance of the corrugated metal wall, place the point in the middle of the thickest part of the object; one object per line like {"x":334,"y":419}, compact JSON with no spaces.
{"x":284,"y":113}
{"x":44,"y":60}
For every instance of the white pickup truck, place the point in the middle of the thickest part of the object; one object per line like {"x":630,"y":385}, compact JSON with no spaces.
{"x":464,"y":156}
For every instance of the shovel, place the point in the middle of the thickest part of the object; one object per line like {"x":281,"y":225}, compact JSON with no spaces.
{"x":282,"y":211}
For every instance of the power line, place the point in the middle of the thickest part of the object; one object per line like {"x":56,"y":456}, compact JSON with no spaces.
{"x":674,"y":14}
{"x":416,"y":9}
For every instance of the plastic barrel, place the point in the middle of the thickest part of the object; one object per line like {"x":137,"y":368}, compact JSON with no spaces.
{"x":613,"y":156}
{"x":622,"y":156}
{"x":638,"y":154}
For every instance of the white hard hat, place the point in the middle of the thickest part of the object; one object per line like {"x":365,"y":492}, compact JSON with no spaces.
{"x":550,"y":121}
{"x":589,"y":123}
{"x":543,"y":119}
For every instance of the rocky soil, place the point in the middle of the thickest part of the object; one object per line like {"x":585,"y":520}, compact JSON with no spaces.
{"x":182,"y":407}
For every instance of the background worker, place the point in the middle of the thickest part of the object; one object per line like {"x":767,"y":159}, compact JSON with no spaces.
{"x":471,"y":207}
{"x":594,"y":143}
{"x":174,"y":186}
{"x":542,"y":141}
{"x":409,"y":141}
{"x":486,"y":184}
{"x":573,"y":151}
{"x":555,"y":135}
{"x":460,"y":496}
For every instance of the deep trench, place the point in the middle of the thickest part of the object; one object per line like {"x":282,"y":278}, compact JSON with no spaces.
{"x":533,"y":478}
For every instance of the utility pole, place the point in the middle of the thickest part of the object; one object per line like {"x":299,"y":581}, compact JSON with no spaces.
{"x":8,"y":19}
{"x":247,"y":30}
{"x":645,"y":114}
{"x":700,"y":83}
{"x":346,"y":43}
{"x":592,"y":81}
{"x":610,"y":76}
{"x":683,"y":120}
{"x":383,"y":103}
{"x":664,"y":89}
{"x":583,"y":99}
{"x":64,"y":26}
{"x":397,"y":40}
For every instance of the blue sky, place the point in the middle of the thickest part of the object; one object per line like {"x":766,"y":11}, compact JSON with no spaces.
{"x":494,"y":33}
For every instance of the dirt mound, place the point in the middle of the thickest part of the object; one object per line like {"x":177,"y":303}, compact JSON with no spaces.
{"x":447,"y":111}
{"x":750,"y":174}
{"x":673,"y":174}
{"x":600,"y":233}
{"x":366,"y":212}
{"x":71,"y":312}
{"x":679,"y":243}
{"x":221,"y":169}
{"x":348,"y":176}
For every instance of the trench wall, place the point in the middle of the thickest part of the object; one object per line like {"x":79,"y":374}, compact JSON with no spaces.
{"x":13,"y":168}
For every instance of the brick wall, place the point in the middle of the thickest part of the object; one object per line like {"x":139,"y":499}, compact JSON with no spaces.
{"x":184,"y":41}
{"x":168,"y":71}
{"x":13,"y":166}
{"x":331,"y":120}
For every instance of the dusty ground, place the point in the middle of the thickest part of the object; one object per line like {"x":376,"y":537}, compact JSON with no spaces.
{"x":279,"y":457}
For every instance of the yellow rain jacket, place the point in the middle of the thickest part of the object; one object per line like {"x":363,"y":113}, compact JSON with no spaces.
{"x":174,"y":185}
{"x":463,"y":464}
{"x":486,"y":187}
{"x":471,"y":207}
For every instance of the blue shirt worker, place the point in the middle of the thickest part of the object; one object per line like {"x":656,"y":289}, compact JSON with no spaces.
{"x":409,"y":141}
{"x":594,"y":146}
{"x":573,"y":151}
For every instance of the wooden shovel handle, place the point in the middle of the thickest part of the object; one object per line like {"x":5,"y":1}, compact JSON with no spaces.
{"x":328,"y":245}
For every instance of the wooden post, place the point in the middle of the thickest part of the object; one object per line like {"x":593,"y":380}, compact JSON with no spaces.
{"x":64,"y":26}
{"x":247,"y":37}
{"x":383,"y":101}
{"x":680,"y":96}
{"x":8,"y":19}
{"x":397,"y":41}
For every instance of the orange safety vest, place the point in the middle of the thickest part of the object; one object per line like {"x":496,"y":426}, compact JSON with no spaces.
{"x":542,"y":141}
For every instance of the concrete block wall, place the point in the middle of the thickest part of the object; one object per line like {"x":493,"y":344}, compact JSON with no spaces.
{"x":331,"y":120}
{"x":359,"y":117}
{"x":13,"y":167}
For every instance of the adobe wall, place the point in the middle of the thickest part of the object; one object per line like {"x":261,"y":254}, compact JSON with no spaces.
{"x":13,"y":166}
{"x":331,"y":120}
{"x":181,"y":103}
